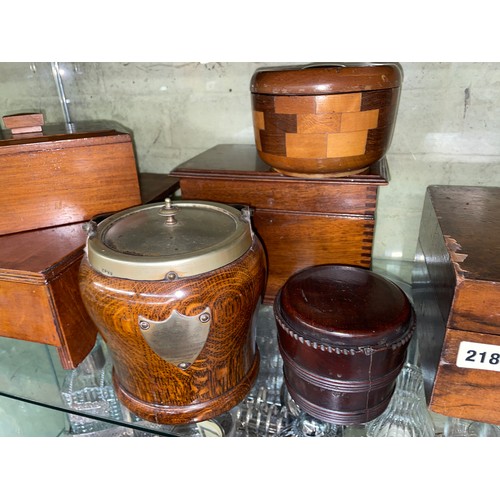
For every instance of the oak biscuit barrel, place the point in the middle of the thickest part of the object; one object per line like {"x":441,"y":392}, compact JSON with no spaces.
{"x":325,"y":120}
{"x":343,"y":333}
{"x":174,"y":290}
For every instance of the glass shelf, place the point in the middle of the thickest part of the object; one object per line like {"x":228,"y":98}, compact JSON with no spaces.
{"x":31,"y":377}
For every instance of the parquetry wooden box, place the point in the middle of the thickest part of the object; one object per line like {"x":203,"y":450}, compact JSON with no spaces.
{"x":301,"y":222}
{"x":39,"y":295}
{"x":324,"y":120}
{"x":53,"y":176}
{"x":456,"y":289}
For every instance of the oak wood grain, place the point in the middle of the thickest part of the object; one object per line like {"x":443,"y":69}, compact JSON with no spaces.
{"x":225,"y":369}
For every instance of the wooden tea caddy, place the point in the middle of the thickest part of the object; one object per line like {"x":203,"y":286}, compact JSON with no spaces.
{"x":301,"y":222}
{"x":456,"y":290}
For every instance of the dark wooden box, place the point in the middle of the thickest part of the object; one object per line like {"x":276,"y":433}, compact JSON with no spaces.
{"x":58,"y":176}
{"x":39,"y":294}
{"x":301,"y":222}
{"x":456,"y":289}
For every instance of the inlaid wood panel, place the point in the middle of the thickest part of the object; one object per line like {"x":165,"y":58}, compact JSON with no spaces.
{"x":294,"y":105}
{"x":361,"y":120}
{"x":324,"y":135}
{"x":338,"y":103}
{"x":347,"y":143}
{"x":310,"y":123}
{"x":300,"y":145}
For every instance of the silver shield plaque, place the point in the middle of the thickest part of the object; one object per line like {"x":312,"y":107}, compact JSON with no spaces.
{"x":179,"y":339}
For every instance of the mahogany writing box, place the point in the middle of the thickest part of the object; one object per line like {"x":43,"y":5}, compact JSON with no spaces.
{"x":56,"y":174}
{"x":456,"y":289}
{"x":301,"y":222}
{"x":39,"y":294}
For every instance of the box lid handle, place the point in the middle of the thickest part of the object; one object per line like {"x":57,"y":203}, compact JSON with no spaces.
{"x":24,"y":123}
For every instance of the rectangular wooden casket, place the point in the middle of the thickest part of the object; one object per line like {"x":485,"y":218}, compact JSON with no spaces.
{"x":57,"y":176}
{"x":301,"y":222}
{"x":456,"y":289}
{"x":39,"y":294}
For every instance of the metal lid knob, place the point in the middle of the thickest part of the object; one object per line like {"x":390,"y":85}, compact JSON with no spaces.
{"x":168,"y":211}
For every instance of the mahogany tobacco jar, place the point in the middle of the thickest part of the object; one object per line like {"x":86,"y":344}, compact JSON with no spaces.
{"x":324,"y":120}
{"x":343,"y":333}
{"x":174,"y":289}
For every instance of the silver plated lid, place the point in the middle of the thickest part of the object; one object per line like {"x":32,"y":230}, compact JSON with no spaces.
{"x":169,"y":241}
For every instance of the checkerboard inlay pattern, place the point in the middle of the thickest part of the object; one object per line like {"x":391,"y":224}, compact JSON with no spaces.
{"x":335,"y":126}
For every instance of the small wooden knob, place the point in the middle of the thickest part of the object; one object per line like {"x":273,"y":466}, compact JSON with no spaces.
{"x":24,"y":123}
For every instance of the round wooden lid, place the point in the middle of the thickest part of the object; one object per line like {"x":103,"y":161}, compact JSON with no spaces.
{"x":344,"y":306}
{"x":327,"y":78}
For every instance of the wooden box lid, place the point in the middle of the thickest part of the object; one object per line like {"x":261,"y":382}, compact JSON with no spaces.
{"x":326,"y":78}
{"x":40,"y":255}
{"x":345,"y":307}
{"x":468,"y":218}
{"x":234,"y":173}
{"x":242,"y":162}
{"x":29,"y":133}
